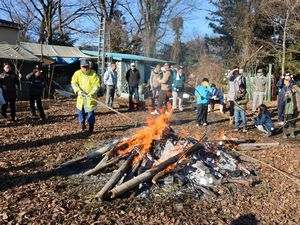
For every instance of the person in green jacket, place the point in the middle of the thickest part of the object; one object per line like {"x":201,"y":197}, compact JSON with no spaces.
{"x":178,"y":88}
{"x":291,"y":111}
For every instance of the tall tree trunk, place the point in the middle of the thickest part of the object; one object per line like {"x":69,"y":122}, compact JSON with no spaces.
{"x":284,"y":41}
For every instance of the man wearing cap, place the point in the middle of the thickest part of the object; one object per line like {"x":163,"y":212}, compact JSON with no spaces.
{"x":110,"y":80}
{"x":165,"y":89}
{"x":260,"y":87}
{"x":284,"y":84}
{"x":133,"y":79}
{"x":85,"y":83}
{"x":178,"y":88}
{"x":37,"y":84}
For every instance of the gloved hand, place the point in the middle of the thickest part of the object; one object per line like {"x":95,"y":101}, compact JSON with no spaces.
{"x":89,"y":95}
{"x":80,"y":93}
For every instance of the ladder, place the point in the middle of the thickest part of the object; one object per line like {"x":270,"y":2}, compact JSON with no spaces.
{"x":103,"y":46}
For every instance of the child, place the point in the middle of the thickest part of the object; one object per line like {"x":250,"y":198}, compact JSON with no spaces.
{"x":240,"y":104}
{"x":291,"y":111}
{"x":202,"y":94}
{"x":263,"y":121}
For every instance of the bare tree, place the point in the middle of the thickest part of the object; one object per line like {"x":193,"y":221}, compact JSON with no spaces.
{"x":177,"y":25}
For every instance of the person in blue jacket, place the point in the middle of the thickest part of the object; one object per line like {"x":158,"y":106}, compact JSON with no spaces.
{"x":202,"y":93}
{"x":263,"y":122}
{"x":284,"y":84}
{"x":216,"y":97}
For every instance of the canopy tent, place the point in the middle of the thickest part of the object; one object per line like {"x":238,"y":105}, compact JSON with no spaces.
{"x":16,"y":52}
{"x":53,"y":50}
{"x":121,"y":57}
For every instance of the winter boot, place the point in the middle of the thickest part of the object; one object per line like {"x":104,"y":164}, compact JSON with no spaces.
{"x":83,"y":127}
{"x":284,"y":133}
{"x":91,"y":128}
{"x":231,"y":120}
{"x":292,"y":134}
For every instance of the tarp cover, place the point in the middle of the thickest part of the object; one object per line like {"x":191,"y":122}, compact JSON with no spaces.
{"x":53,"y":50}
{"x":16,"y":52}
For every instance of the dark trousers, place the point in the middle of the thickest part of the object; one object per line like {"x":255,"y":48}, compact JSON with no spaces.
{"x":202,"y":110}
{"x":291,"y":124}
{"x":231,"y":108}
{"x":38,"y":100}
{"x":281,"y":108}
{"x":12,"y":105}
{"x":110,"y":94}
{"x":163,"y":100}
{"x":133,"y":91}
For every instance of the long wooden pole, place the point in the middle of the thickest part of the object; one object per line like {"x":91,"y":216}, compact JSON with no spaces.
{"x":151,"y":172}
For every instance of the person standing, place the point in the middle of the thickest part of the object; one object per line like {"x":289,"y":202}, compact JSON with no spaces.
{"x":216,"y":98}
{"x":235,"y":80}
{"x":9,"y":82}
{"x":260,"y":87}
{"x":133,"y":79}
{"x":178,"y":88}
{"x":165,"y":89}
{"x":155,"y":87}
{"x":240,"y":107}
{"x":37,"y":84}
{"x":284,"y":84}
{"x":202,"y":93}
{"x":86,"y":83}
{"x":291,"y":111}
{"x":110,"y":81}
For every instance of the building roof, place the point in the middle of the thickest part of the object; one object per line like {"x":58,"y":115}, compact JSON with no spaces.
{"x":53,"y":50}
{"x":6,"y":23}
{"x":121,"y":56}
{"x":15,"y":52}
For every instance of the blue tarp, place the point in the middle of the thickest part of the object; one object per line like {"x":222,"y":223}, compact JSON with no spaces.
{"x":64,"y":60}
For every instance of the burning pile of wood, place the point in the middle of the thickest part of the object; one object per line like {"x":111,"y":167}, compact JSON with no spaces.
{"x":157,"y":151}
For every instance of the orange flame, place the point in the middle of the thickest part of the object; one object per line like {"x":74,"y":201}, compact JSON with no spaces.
{"x":142,"y":140}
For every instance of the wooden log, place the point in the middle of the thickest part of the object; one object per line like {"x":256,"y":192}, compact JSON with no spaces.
{"x":103,"y":164}
{"x":134,"y":170}
{"x":94,"y":154}
{"x":246,"y":182}
{"x":112,"y":152}
{"x":151,"y":172}
{"x":256,"y":146}
{"x":115,"y":178}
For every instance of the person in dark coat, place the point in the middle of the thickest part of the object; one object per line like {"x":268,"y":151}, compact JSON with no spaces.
{"x":263,"y":122}
{"x":284,"y":84}
{"x":37,"y":84}
{"x":216,"y":97}
{"x":9,"y":82}
{"x":133,"y":79}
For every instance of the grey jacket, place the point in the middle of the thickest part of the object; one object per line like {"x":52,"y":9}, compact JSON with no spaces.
{"x":234,"y":87}
{"x":260,"y":84}
{"x":110,"y":77}
{"x":154,"y":79}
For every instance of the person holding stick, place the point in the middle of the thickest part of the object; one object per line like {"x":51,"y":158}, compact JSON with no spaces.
{"x":86,"y":83}
{"x":9,"y":82}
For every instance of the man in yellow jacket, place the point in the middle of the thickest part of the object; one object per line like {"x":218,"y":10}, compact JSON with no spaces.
{"x":85,"y":83}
